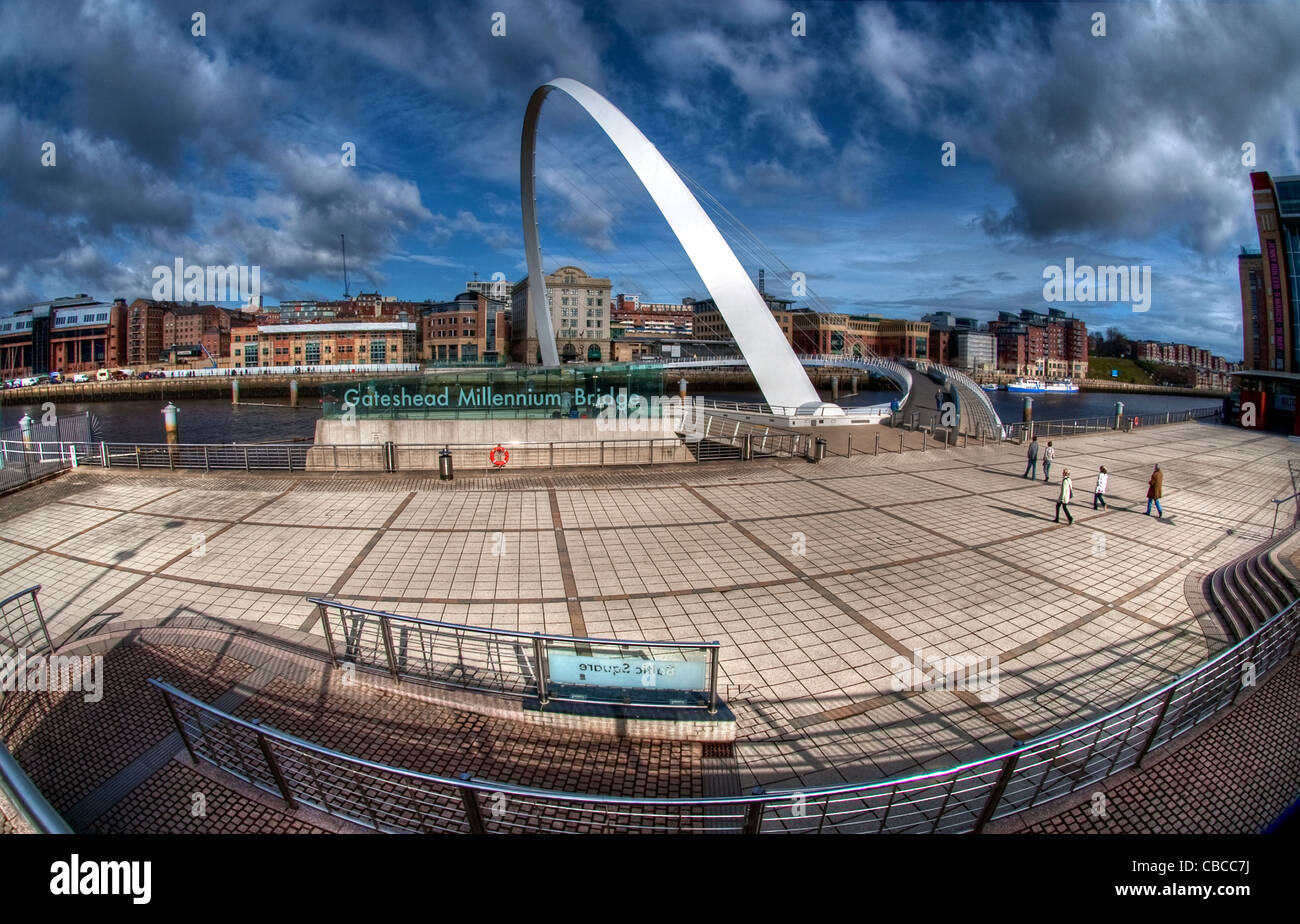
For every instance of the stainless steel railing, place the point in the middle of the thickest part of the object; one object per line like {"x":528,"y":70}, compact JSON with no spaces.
{"x":957,"y":800}
{"x":23,"y":631}
{"x":552,"y":668}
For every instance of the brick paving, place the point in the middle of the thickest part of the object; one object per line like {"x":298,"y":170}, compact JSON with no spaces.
{"x":70,"y":748}
{"x":179,"y":800}
{"x":1236,"y":777}
{"x":814,"y":578}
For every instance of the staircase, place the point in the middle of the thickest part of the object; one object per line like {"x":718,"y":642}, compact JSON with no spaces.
{"x":1246,"y":592}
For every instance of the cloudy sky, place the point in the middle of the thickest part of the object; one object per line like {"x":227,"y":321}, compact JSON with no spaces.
{"x":825,"y":147}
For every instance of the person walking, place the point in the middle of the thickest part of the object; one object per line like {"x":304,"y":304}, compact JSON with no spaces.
{"x":1155,"y":488}
{"x":1099,"y":492}
{"x":938,"y":401}
{"x":1048,"y":458}
{"x":1031,"y":470}
{"x":1063,"y":499}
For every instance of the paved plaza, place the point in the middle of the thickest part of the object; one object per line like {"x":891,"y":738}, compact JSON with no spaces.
{"x":816,"y":579}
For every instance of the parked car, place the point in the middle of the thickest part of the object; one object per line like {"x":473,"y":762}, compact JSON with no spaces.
{"x":81,"y":377}
{"x":103,"y":375}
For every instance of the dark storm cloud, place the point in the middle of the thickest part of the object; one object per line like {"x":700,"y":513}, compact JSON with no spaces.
{"x":1129,"y":134}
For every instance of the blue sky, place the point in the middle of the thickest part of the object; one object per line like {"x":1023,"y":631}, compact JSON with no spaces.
{"x":225,"y":148}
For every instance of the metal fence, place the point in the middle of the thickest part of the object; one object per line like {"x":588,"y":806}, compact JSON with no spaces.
{"x":1018,"y":432}
{"x":41,"y":448}
{"x":551,"y":668}
{"x":23,"y":633}
{"x":960,"y":799}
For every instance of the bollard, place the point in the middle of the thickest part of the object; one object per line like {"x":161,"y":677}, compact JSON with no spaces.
{"x":293,"y":393}
{"x":900,"y":442}
{"x":854,"y":384}
{"x":1119,"y":414}
{"x":1028,"y":412}
{"x":170,"y":424}
{"x":877,"y":452}
{"x":234,"y":390}
{"x":835,"y":388}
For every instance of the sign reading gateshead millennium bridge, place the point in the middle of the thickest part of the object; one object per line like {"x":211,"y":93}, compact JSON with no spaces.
{"x":573,"y":391}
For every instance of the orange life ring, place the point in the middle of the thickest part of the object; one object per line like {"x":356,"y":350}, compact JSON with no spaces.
{"x":499,"y":456}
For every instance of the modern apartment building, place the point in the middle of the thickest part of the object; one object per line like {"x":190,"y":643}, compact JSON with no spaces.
{"x":1051,"y":345}
{"x":74,"y":334}
{"x":144,"y":335}
{"x":1270,"y":277}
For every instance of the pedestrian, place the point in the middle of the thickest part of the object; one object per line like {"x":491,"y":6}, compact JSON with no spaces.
{"x":1099,"y":492}
{"x":1048,"y":458}
{"x":1155,"y":487}
{"x":1031,"y":470}
{"x":1063,"y":499}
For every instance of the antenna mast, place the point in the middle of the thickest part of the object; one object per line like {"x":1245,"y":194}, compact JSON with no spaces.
{"x":344,"y":241}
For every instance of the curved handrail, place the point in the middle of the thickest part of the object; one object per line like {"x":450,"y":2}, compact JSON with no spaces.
{"x":27,"y":798}
{"x":1003,"y":763}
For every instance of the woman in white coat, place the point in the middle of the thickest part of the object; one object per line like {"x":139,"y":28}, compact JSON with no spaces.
{"x":1063,"y":499}
{"x":1099,"y":492}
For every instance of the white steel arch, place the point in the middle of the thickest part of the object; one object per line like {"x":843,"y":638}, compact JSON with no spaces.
{"x":781,"y":378}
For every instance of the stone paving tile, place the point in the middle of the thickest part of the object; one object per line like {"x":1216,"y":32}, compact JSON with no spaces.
{"x":123,"y":495}
{"x":817,"y":543}
{"x":962,"y":608}
{"x":552,"y":617}
{"x":202,"y":503}
{"x":479,"y":565}
{"x":284,"y":558}
{"x":53,"y":523}
{"x":358,"y":511}
{"x":12,"y":553}
{"x":489,"y":511}
{"x":778,"y":496}
{"x":607,"y":509}
{"x":889,"y":488}
{"x":647,"y":558}
{"x":161,"y":598}
{"x":682,"y":557}
{"x":1108,"y":568}
{"x":70,"y":590}
{"x":137,"y":541}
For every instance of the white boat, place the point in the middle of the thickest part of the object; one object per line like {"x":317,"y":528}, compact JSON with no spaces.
{"x":1027,"y":386}
{"x":1039,"y":387}
{"x":1062,"y":387}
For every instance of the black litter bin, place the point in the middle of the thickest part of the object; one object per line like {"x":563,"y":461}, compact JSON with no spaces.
{"x":444,"y":465}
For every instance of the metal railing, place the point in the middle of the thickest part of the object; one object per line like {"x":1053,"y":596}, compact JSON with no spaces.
{"x":960,"y":799}
{"x":552,"y":668}
{"x":23,"y":632}
{"x":1127,"y":423}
